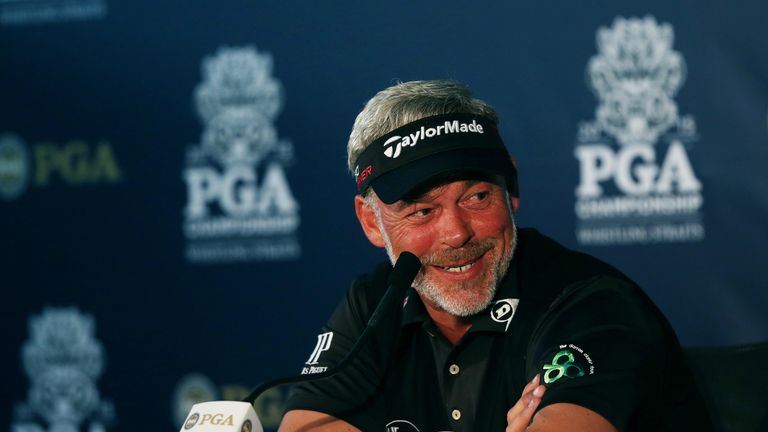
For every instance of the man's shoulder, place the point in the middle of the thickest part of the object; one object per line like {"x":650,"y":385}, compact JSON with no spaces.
{"x":559,"y":275}
{"x":368,"y":288}
{"x":541,"y":252}
{"x":375,"y":277}
{"x":548,"y":267}
{"x":584,"y":291}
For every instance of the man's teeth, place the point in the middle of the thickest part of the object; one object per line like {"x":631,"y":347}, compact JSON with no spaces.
{"x":459,"y":269}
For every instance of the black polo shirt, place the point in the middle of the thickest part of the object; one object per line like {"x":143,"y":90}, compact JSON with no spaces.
{"x":595,"y":339}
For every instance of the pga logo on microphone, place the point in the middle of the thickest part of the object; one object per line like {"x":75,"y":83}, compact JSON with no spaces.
{"x":222,"y":416}
{"x":217,"y":420}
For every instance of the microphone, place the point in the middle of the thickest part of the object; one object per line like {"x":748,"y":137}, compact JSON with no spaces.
{"x":231,"y":416}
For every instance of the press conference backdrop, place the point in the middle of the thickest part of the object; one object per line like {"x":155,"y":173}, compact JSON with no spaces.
{"x":177,"y":219}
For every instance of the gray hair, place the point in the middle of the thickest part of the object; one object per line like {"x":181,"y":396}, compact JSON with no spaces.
{"x":406,"y":102}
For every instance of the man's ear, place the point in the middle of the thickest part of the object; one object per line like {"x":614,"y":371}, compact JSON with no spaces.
{"x":367,"y":218}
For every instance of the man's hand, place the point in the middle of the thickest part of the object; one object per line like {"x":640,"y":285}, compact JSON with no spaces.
{"x":555,"y":417}
{"x":521,"y":414}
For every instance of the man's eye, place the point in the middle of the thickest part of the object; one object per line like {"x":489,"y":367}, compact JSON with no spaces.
{"x":422,"y":212}
{"x":479,"y":196}
{"x":478,"y":199}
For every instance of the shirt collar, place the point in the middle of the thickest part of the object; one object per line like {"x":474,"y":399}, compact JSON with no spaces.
{"x":414,"y":310}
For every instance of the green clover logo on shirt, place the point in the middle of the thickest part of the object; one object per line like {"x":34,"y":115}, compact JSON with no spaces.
{"x":562,"y":365}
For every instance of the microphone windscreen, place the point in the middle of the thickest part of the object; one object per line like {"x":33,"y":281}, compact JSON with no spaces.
{"x":405,"y":270}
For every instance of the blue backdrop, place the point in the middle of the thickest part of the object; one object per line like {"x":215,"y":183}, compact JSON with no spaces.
{"x":177,"y":218}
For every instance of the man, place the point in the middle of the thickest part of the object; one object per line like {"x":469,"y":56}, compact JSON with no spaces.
{"x":502,"y":328}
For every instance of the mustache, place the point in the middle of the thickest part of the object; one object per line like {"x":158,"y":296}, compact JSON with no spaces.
{"x":467,"y":252}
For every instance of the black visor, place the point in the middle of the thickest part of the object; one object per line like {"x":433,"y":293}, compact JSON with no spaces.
{"x":427,"y":150}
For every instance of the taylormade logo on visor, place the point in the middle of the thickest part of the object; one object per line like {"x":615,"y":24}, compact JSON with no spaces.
{"x":394,"y":145}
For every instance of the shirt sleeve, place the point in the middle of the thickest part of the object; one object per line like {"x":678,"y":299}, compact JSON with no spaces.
{"x":346,"y":395}
{"x":600,"y":346}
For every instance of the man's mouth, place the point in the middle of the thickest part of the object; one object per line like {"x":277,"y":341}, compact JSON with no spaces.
{"x":467,"y":260}
{"x":458,"y":269}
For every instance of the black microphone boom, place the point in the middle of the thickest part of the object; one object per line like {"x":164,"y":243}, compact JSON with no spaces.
{"x":405,"y":270}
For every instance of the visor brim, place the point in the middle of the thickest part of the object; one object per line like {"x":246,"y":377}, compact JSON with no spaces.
{"x":415,"y":177}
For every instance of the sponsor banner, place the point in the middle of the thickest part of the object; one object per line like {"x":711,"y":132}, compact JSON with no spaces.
{"x":26,"y":12}
{"x":636,"y":181}
{"x":63,"y":361}
{"x":239,"y":203}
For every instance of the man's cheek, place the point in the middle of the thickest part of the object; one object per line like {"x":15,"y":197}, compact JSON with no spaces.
{"x":417,"y":241}
{"x":496,"y":223}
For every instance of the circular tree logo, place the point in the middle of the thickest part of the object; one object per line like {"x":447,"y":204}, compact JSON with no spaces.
{"x":191,"y":421}
{"x":14,"y":167}
{"x":247,"y":426}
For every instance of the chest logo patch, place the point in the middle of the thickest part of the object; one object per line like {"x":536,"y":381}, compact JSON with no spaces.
{"x":503,"y":311}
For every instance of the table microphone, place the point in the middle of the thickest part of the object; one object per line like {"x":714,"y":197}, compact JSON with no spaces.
{"x":232,"y":416}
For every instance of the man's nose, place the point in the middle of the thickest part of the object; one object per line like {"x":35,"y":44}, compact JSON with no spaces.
{"x":455,"y":227}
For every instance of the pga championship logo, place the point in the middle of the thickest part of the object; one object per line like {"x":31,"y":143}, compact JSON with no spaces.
{"x":63,"y":361}
{"x":239,"y":203}
{"x":637,"y":184}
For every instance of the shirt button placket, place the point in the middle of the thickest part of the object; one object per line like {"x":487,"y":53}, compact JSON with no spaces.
{"x":454,"y":370}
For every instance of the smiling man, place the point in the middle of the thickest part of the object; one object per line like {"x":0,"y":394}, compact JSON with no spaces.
{"x":502,"y":328}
